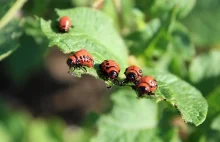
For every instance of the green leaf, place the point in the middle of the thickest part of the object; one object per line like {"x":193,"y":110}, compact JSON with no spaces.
{"x":184,"y":7}
{"x":4,"y":135}
{"x":77,"y":135}
{"x":31,"y":28}
{"x":122,"y":14}
{"x":17,"y":124}
{"x":10,"y":14}
{"x":201,"y":22}
{"x":160,"y":41}
{"x":29,"y":57}
{"x":126,"y":16}
{"x":9,"y":39}
{"x":56,"y":128}
{"x":177,"y":66}
{"x":39,"y":132}
{"x":212,"y":131}
{"x":209,"y":130}
{"x":158,"y":8}
{"x":139,"y":40}
{"x":213,"y":101}
{"x":5,"y":6}
{"x":181,"y":43}
{"x":188,"y":100}
{"x":109,"y":9}
{"x":216,"y":123}
{"x":39,"y":7}
{"x":91,"y":30}
{"x":205,"y":66}
{"x":133,"y":120}
{"x":81,"y":3}
{"x":129,"y":120}
{"x":154,"y":39}
{"x":171,"y":60}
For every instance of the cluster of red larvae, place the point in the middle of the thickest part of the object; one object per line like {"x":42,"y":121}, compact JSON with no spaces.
{"x":109,"y":70}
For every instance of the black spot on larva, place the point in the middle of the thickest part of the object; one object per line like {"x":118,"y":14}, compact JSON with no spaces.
{"x":84,"y":56}
{"x":140,"y":71}
{"x":80,"y":57}
{"x":107,"y":68}
{"x":107,"y":63}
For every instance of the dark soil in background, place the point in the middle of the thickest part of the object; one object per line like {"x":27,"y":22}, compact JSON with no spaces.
{"x":52,"y":91}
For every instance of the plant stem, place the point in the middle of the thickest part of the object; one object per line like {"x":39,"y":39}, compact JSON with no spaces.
{"x":98,"y":4}
{"x":11,"y":12}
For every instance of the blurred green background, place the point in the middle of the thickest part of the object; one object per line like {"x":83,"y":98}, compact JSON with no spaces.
{"x":40,"y":101}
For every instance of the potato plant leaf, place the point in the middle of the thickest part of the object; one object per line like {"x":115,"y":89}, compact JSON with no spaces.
{"x":91,"y":30}
{"x":132,"y":120}
{"x":188,"y":100}
{"x":182,"y":43}
{"x":205,"y":66}
{"x":155,"y":8}
{"x":129,"y":120}
{"x":213,"y":101}
{"x":5,"y":6}
{"x":216,"y":123}
{"x":201,"y":22}
{"x":9,"y":39}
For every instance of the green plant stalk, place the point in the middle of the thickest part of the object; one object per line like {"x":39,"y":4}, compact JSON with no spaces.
{"x":10,"y":14}
{"x":167,"y":27}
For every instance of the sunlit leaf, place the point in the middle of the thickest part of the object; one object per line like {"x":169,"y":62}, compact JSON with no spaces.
{"x":205,"y":66}
{"x":202,"y":21}
{"x":4,"y":134}
{"x":216,"y":123}
{"x":91,"y":30}
{"x":213,"y":101}
{"x":39,"y":132}
{"x":186,"y":98}
{"x":129,"y":120}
